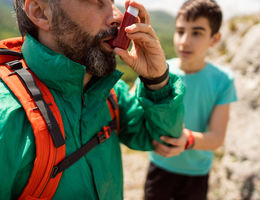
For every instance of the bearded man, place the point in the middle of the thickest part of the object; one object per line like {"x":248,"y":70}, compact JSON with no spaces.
{"x":65,"y":44}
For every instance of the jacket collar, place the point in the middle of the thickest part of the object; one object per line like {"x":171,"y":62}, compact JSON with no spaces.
{"x":60,"y":73}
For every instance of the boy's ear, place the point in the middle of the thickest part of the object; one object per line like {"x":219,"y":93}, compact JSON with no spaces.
{"x":39,"y":12}
{"x":215,"y":39}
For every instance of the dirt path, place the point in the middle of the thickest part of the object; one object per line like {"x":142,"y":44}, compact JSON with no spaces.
{"x":135,"y":165}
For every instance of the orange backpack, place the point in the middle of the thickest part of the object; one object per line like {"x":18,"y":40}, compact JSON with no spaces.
{"x":46,"y":121}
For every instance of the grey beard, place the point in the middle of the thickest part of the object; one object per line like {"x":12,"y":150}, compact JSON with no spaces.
{"x":98,"y":63}
{"x":79,"y":46}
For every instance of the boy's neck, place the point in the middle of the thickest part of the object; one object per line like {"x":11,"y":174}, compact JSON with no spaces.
{"x":191,"y":67}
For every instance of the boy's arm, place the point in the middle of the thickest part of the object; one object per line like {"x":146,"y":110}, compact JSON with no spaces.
{"x":210,"y":140}
{"x":214,"y":138}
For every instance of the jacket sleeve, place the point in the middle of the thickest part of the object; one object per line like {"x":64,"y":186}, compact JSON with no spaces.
{"x":147,"y":114}
{"x":17,"y":149}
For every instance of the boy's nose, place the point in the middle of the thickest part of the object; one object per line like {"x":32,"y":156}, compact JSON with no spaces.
{"x":117,"y":17}
{"x":185,"y":39}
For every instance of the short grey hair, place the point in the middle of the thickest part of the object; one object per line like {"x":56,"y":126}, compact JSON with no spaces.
{"x":25,"y":25}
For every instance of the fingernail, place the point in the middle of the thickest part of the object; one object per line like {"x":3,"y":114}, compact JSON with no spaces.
{"x":130,"y":27}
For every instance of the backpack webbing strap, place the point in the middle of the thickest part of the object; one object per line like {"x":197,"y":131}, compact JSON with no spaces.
{"x":9,"y":52}
{"x":36,"y":94}
{"x":96,"y":140}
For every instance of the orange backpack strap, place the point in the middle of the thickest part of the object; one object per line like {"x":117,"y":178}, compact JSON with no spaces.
{"x":10,"y":49}
{"x":47,"y":125}
{"x":114,"y":108}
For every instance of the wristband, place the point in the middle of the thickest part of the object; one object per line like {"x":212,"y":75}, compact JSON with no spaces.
{"x":191,"y":140}
{"x":156,"y":80}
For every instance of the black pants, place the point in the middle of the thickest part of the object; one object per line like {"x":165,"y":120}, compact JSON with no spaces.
{"x":164,"y":185}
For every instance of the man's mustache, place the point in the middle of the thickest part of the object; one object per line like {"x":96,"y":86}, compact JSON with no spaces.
{"x":108,"y":33}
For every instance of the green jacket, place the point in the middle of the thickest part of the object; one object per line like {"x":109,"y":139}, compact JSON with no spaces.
{"x":97,"y":175}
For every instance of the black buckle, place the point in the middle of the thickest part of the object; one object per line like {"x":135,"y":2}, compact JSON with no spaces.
{"x":15,"y":65}
{"x":104,"y":134}
{"x":54,"y":171}
{"x":37,"y":97}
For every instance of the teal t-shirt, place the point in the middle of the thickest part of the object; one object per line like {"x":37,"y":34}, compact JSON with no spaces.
{"x":205,"y":89}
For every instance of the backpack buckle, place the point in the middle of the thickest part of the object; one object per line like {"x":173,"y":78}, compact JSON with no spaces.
{"x":54,"y":171}
{"x":15,"y":64}
{"x":104,"y":134}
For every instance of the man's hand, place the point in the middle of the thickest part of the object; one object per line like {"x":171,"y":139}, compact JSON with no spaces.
{"x":176,"y":145}
{"x":146,"y":56}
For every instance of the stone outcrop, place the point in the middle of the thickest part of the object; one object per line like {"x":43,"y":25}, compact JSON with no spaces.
{"x":236,"y":172}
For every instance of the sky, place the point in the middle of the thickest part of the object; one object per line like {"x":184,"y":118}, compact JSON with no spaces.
{"x":230,"y":8}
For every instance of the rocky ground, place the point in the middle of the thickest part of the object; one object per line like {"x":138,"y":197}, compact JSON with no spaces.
{"x":236,"y":175}
{"x":135,"y":166}
{"x":236,"y":170}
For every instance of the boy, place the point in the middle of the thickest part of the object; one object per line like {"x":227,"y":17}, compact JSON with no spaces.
{"x":209,"y":92}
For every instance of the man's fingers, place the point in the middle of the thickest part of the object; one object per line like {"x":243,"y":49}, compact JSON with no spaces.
{"x":166,"y":151}
{"x":162,"y":147}
{"x":143,"y":14}
{"x":144,"y":41}
{"x":141,"y":28}
{"x":125,"y":56}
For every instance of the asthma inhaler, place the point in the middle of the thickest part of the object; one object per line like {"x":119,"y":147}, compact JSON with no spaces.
{"x":130,"y":17}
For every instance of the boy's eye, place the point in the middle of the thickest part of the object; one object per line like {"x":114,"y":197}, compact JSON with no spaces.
{"x":101,"y":3}
{"x":196,"y":33}
{"x":180,"y":32}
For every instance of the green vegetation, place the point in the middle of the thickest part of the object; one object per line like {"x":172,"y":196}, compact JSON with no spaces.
{"x":7,"y":2}
{"x":7,"y":22}
{"x":162,"y":22}
{"x":129,"y":75}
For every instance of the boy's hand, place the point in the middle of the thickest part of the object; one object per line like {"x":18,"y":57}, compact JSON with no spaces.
{"x":176,"y":145}
{"x":146,"y":56}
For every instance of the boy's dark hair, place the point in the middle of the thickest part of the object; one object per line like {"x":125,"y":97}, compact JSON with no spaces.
{"x":193,"y":9}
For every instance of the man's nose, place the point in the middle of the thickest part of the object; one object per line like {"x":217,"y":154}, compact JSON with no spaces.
{"x":117,"y":17}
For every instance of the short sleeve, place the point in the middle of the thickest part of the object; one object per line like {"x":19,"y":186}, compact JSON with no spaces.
{"x":227,"y":93}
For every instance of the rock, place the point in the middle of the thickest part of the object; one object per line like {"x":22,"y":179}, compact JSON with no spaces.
{"x":237,"y":174}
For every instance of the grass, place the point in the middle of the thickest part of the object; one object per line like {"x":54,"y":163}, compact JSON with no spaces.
{"x":129,"y":75}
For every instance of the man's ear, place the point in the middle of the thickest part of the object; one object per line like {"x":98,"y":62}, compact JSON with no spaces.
{"x":215,"y":39}
{"x":39,"y":12}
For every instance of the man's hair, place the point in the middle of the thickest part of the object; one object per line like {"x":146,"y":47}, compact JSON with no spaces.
{"x":25,"y":25}
{"x":193,"y":9}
